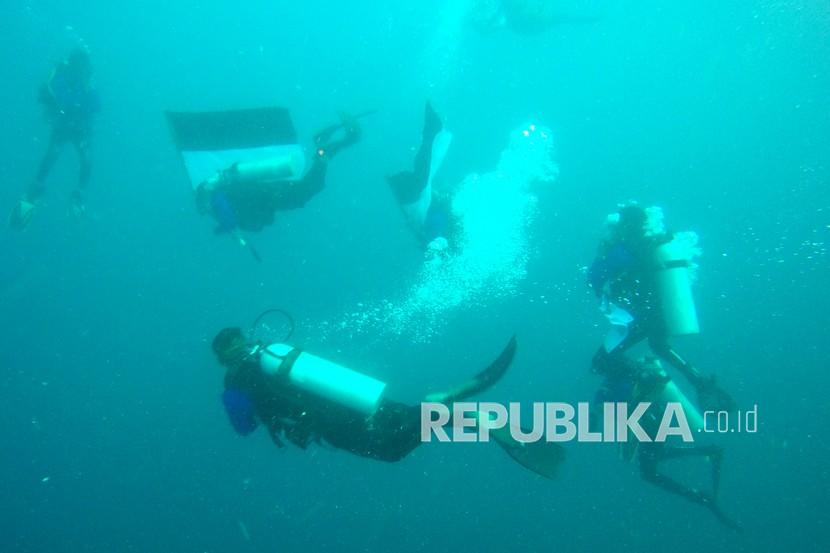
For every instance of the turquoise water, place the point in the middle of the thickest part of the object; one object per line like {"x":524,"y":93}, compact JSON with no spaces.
{"x":114,"y":435}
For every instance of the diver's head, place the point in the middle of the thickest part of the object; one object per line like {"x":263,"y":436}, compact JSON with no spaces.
{"x":230,"y":347}
{"x":631,"y":223}
{"x":79,"y":64}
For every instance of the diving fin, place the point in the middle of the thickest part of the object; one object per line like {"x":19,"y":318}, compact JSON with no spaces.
{"x":406,"y":187}
{"x":541,"y":457}
{"x":435,"y":141}
{"x":482,"y":381}
{"x":348,"y":121}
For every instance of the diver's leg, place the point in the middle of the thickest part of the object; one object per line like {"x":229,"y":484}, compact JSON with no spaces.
{"x":36,"y":187}
{"x":394,"y":431}
{"x":22,"y":211}
{"x":328,"y":148}
{"x":85,"y":160}
{"x":432,"y":126}
{"x":652,"y":454}
{"x":713,"y":453}
{"x":409,"y":186}
{"x":650,"y":457}
{"x":299,"y":193}
{"x":608,"y":362}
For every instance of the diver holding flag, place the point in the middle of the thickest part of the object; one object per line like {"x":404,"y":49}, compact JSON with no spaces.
{"x":245,"y":165}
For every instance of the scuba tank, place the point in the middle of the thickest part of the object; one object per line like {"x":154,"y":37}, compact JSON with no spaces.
{"x":674,"y":286}
{"x":267,"y":170}
{"x":323,"y":378}
{"x":672,"y":394}
{"x":308,"y":372}
{"x":656,"y":386}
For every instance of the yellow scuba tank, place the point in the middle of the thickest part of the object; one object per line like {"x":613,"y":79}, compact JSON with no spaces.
{"x":323,"y":378}
{"x":674,"y":286}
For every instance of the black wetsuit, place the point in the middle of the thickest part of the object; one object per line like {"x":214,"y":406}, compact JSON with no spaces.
{"x":301,"y":418}
{"x":70,"y":104}
{"x":254,"y":205}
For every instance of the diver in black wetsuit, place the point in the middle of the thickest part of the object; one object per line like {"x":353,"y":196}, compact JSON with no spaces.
{"x":238,"y":204}
{"x":253,"y":396}
{"x":633,"y":382}
{"x":427,"y":212}
{"x":70,"y":103}
{"x":624,"y":276}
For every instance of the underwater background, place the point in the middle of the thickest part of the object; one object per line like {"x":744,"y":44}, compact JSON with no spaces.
{"x":113,"y":435}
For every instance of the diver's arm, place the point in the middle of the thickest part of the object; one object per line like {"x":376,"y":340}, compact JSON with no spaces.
{"x":651,"y":475}
{"x":294,"y":420}
{"x":710,"y":395}
{"x":326,"y":147}
{"x":648,"y":470}
{"x":688,"y":370}
{"x":661,"y":347}
{"x":652,"y":455}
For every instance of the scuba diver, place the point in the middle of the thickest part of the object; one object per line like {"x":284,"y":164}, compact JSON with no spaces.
{"x":70,"y":103}
{"x":633,"y":382}
{"x":305,"y":399}
{"x":641,"y":275}
{"x":245,"y":165}
{"x":428,"y":213}
{"x":237,"y":201}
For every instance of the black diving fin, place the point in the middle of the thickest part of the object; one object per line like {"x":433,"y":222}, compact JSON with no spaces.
{"x":541,"y":457}
{"x":347,"y":121}
{"x":482,"y":381}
